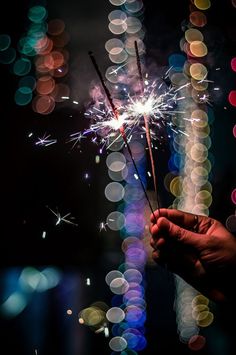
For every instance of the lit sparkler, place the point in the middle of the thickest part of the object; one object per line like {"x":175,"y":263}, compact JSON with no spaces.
{"x":158,"y":103}
{"x":145,"y":110}
{"x":159,"y":108}
{"x":121,"y":128}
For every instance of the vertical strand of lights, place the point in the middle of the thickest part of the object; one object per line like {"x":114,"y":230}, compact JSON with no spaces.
{"x":42,"y":46}
{"x":128,"y":311}
{"x":192,"y":164}
{"x":231,"y":220}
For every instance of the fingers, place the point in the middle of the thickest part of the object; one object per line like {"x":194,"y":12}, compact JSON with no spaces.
{"x":165,"y":229}
{"x":183,"y":219}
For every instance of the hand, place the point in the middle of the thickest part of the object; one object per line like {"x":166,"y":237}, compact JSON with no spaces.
{"x":197,"y":248}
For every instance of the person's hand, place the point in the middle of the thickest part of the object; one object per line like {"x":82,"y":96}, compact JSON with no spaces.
{"x":197,"y":248}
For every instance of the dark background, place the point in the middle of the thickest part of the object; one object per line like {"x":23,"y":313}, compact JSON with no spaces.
{"x":35,"y":177}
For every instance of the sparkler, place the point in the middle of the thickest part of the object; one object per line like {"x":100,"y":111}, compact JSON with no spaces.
{"x":120,"y":126}
{"x":146,"y":121}
{"x":158,"y":106}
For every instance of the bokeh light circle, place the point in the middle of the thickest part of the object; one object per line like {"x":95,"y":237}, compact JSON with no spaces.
{"x":114,"y":46}
{"x":91,"y":316}
{"x":231,"y":223}
{"x":116,"y":161}
{"x":234,"y":131}
{"x":133,"y":275}
{"x":119,"y":286}
{"x":198,"y":49}
{"x":28,"y":81}
{"x":45,"y":85}
{"x":205,"y":319}
{"x":233,"y":196}
{"x":5,"y":42}
{"x":232,"y":98}
{"x":133,"y":6}
{"x":119,"y":58}
{"x":196,"y":342}
{"x":37,"y":14}
{"x":117,"y":2}
{"x":118,"y":344}
{"x":118,"y":175}
{"x":202,"y":4}
{"x":134,"y":25}
{"x":112,"y":275}
{"x":56,"y":27}
{"x":115,"y":315}
{"x":199,"y":152}
{"x":198,"y":71}
{"x":198,"y":18}
{"x":23,"y":96}
{"x":115,"y":220}
{"x":192,"y":34}
{"x":233,"y":64}
{"x":43,"y":104}
{"x":114,"y":192}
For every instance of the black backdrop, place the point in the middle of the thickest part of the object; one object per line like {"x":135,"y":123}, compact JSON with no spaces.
{"x":34,"y":178}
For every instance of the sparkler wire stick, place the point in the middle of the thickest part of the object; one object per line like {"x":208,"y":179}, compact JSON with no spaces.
{"x":122,"y":131}
{"x":148,"y":136}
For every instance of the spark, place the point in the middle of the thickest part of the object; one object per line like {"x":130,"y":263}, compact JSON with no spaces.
{"x":76,"y":139}
{"x":44,"y":234}
{"x":64,"y":218}
{"x":88,"y":282}
{"x":158,"y":103}
{"x":205,"y":99}
{"x":99,"y":330}
{"x":115,"y":71}
{"x":103,"y":329}
{"x":106,"y":332}
{"x":102,"y":226}
{"x":45,"y":141}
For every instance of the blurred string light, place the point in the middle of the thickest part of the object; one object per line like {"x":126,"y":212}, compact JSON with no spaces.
{"x":39,"y":61}
{"x":127,"y":313}
{"x":190,"y":162}
{"x":231,"y":220}
{"x":26,"y":282}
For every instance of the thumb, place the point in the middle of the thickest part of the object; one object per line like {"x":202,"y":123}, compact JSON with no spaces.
{"x":181,"y":235}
